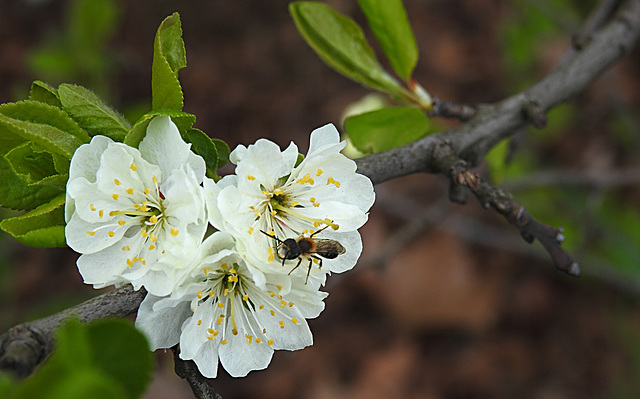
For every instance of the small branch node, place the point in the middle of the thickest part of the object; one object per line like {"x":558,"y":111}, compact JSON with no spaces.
{"x":535,"y":115}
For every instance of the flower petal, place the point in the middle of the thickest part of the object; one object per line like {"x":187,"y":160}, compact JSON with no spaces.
{"x":162,"y":327}
{"x":164,"y":146}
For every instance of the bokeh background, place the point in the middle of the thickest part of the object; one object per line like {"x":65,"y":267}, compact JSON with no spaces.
{"x":447,"y":301}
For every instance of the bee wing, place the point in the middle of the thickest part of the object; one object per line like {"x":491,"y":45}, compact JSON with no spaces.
{"x":328,"y":248}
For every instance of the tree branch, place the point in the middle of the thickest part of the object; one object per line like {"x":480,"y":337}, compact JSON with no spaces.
{"x":24,"y":346}
{"x":447,"y":163}
{"x":495,"y":122}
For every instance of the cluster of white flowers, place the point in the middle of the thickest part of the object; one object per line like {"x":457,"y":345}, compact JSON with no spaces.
{"x":281,"y":224}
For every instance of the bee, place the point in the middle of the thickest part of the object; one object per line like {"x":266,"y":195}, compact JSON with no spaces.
{"x":307,"y":248}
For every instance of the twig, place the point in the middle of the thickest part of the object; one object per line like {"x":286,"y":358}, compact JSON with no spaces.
{"x":187,"y":370}
{"x":450,"y":109}
{"x":448,"y":163}
{"x":24,"y":346}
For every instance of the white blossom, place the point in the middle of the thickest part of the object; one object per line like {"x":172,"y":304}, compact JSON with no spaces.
{"x":127,"y":208}
{"x":273,"y":192}
{"x":219,"y":314}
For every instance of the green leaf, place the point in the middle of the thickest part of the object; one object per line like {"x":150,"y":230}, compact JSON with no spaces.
{"x":42,"y":227}
{"x":389,"y":23}
{"x":386,"y":128}
{"x":169,"y":56}
{"x":114,"y":340}
{"x":41,"y":91}
{"x":202,"y":145}
{"x":30,"y":163}
{"x":223,"y":152}
{"x":92,"y":113}
{"x":15,"y":193}
{"x":48,"y":126}
{"x":103,"y":360}
{"x":183,"y":120}
{"x":340,"y":43}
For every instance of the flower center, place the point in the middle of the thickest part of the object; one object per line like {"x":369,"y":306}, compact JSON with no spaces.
{"x":143,"y":208}
{"x":278,"y":206}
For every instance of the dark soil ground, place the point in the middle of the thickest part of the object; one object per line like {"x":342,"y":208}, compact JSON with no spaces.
{"x":462,"y":309}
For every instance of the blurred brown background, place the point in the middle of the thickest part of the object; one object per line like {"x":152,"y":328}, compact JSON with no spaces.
{"x":447,"y":301}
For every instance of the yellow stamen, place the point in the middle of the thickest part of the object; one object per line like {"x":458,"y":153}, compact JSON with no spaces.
{"x":174,"y":232}
{"x":111,"y":233}
{"x":115,"y":196}
{"x":116,"y":181}
{"x":130,"y":191}
{"x":305,"y":179}
{"x":334,"y":182}
{"x":91,"y":233}
{"x":133,"y":167}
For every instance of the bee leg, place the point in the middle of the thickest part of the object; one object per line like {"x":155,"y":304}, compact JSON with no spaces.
{"x":297,"y":264}
{"x":308,"y":270}
{"x":322,"y":229}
